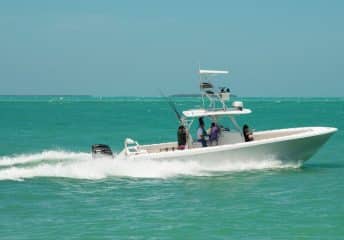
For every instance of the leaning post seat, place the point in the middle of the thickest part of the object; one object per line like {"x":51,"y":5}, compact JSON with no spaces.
{"x":206,"y":85}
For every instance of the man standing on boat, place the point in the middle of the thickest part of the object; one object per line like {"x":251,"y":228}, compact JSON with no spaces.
{"x":214,"y":134}
{"x":201,"y":133}
{"x":182,"y":137}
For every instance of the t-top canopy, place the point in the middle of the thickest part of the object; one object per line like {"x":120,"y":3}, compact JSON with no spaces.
{"x":212,"y":72}
{"x":221,"y":112}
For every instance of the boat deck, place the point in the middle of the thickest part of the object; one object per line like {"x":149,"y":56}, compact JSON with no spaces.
{"x":225,"y":139}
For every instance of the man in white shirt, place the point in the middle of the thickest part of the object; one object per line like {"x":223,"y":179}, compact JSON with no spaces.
{"x":201,"y":134}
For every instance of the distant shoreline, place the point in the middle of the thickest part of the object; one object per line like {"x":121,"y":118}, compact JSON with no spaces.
{"x":172,"y":95}
{"x":46,"y":95}
{"x":186,"y":95}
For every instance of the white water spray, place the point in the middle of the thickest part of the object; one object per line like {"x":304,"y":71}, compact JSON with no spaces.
{"x":82,"y":166}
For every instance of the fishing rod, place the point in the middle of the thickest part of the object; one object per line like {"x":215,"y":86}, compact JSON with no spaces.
{"x":173,"y":106}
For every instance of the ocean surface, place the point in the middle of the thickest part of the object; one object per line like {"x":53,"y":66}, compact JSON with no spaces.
{"x":50,"y":188}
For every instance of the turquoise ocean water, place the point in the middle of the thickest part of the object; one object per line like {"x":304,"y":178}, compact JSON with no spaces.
{"x":52,"y":189}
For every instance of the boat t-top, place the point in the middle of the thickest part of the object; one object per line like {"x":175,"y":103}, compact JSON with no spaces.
{"x":294,"y":145}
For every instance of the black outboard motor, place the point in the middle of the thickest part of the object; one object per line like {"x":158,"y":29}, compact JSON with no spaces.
{"x":101,"y":150}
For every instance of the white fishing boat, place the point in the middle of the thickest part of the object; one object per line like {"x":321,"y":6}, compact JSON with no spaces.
{"x":292,"y":145}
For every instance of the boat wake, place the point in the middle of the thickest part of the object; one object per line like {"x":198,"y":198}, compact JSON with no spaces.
{"x":82,"y":166}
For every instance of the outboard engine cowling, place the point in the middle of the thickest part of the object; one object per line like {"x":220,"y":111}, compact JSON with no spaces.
{"x":101,"y":150}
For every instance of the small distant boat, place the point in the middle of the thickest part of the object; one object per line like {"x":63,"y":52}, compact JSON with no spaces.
{"x":292,"y":145}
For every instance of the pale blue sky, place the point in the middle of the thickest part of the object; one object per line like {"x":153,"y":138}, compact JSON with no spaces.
{"x":117,"y":48}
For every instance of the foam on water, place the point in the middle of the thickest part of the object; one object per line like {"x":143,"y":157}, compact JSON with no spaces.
{"x":38,"y":157}
{"x":82,"y":166}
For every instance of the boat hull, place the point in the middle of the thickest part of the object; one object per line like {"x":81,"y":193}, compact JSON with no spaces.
{"x":293,"y":148}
